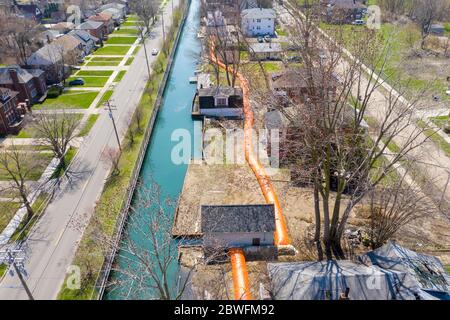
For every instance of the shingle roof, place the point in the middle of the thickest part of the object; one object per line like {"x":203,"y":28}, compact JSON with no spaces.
{"x":220,"y":91}
{"x":265,"y":47}
{"x":238,"y":218}
{"x":102,"y":16}
{"x":90,"y":24}
{"x":6,"y":94}
{"x":23,"y":74}
{"x":259,"y":13}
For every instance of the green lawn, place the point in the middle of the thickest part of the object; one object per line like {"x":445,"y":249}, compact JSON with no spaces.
{"x":88,"y":125}
{"x":121,"y":40}
{"x":91,"y":81}
{"x":38,"y":167}
{"x":104,"y":98}
{"x":435,"y":137}
{"x":272,"y":66}
{"x":112,"y":50}
{"x":280,"y":31}
{"x":69,"y":100}
{"x":7,"y":211}
{"x":136,"y":49}
{"x":126,"y":31}
{"x":96,"y":73}
{"x":129,"y":23}
{"x":3,"y":269}
{"x":106,"y":59}
{"x":129,"y":61}
{"x":441,"y":121}
{"x":102,"y":64}
{"x":29,"y":131}
{"x":120,"y":75}
{"x":67,"y":159}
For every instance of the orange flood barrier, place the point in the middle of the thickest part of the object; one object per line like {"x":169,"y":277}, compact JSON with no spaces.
{"x":241,"y":286}
{"x":281,"y":233}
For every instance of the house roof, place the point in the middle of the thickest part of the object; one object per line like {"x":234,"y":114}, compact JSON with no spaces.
{"x":428,"y":270}
{"x":326,"y":280}
{"x":238,"y":218}
{"x":114,"y":12}
{"x":24,"y":75}
{"x":90,"y":25}
{"x":63,"y":25}
{"x":265,"y":47}
{"x":47,"y":55}
{"x":103,"y":16}
{"x":220,"y":91}
{"x":298,"y":78}
{"x":112,"y":5}
{"x":83,"y":36}
{"x":68,"y":42}
{"x":346,"y":4}
{"x":259,"y":13}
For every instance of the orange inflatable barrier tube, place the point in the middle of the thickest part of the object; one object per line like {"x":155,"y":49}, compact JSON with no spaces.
{"x":241,"y":285}
{"x":281,"y":233}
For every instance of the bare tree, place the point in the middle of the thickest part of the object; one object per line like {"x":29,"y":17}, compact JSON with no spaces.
{"x":57,"y":131}
{"x":18,"y":36}
{"x":327,"y":144}
{"x":392,"y":207}
{"x":426,"y":12}
{"x":19,"y":166}
{"x":112,"y":156}
{"x":147,"y":11}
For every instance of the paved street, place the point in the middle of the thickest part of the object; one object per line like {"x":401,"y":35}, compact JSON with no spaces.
{"x":53,"y":241}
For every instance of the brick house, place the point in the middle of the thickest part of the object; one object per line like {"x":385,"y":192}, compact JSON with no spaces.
{"x":106,"y":19}
{"x":95,"y":28}
{"x":29,"y":83}
{"x":10,"y":116}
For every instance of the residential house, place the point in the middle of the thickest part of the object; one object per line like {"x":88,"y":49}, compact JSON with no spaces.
{"x":6,"y":6}
{"x":258,"y":22}
{"x":30,"y":11}
{"x":106,"y":19}
{"x":215,"y":18}
{"x":298,"y":85}
{"x":87,"y":40}
{"x":57,"y":57}
{"x":11,"y":118}
{"x":29,"y":83}
{"x":116,"y":15}
{"x":218,"y":102}
{"x":340,"y":280}
{"x":95,"y":28}
{"x":121,"y":7}
{"x":265,"y":51}
{"x":343,"y":11}
{"x":63,"y":27}
{"x":231,"y":226}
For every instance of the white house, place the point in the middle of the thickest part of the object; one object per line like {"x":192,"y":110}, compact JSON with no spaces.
{"x":231,"y":226}
{"x":258,"y":22}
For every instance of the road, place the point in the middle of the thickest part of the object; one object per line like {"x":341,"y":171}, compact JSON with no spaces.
{"x":52,"y":243}
{"x":431,"y":161}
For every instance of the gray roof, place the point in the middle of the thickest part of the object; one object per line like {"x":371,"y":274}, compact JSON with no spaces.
{"x":259,"y":13}
{"x":326,"y":280}
{"x":265,"y":47}
{"x":24,"y":75}
{"x":220,"y":91}
{"x":238,"y":218}
{"x":47,"y":55}
{"x":83,"y":36}
{"x":90,"y":24}
{"x":428,"y":270}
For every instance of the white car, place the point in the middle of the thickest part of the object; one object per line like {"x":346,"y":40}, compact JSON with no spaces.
{"x":358,"y":22}
{"x":154,"y":52}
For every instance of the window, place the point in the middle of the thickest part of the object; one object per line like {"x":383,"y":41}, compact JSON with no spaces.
{"x":256,"y":241}
{"x":221,"y":101}
{"x":258,"y":20}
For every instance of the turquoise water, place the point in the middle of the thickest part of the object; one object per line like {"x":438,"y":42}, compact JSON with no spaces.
{"x":158,"y":167}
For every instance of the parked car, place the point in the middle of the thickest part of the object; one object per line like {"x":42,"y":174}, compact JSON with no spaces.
{"x":75,"y":67}
{"x":358,"y":22}
{"x":267,"y":38}
{"x":76,"y":82}
{"x":260,"y":39}
{"x":154,"y":52}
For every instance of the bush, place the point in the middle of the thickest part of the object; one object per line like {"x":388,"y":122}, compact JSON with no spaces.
{"x":54,"y":92}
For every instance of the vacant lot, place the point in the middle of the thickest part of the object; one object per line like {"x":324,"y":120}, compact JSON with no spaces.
{"x":112,"y":50}
{"x":89,"y":73}
{"x":127,"y":31}
{"x":7,"y":211}
{"x":121,"y":40}
{"x":69,"y":100}
{"x":42,"y":161}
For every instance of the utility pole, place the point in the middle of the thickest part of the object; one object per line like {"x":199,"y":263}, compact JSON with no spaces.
{"x":111,"y":116}
{"x":145,"y":51}
{"x":14,"y":261}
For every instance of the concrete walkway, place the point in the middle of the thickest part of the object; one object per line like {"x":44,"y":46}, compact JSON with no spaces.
{"x":53,"y":240}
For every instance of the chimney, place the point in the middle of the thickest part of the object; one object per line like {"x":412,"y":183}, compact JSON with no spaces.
{"x":15,"y":78}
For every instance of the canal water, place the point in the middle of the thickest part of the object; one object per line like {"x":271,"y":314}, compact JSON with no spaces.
{"x":158,"y":167}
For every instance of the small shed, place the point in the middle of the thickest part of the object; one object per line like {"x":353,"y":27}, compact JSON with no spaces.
{"x":230,"y":226}
{"x":218,"y":102}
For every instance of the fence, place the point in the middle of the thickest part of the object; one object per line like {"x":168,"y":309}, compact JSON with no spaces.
{"x":109,"y":259}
